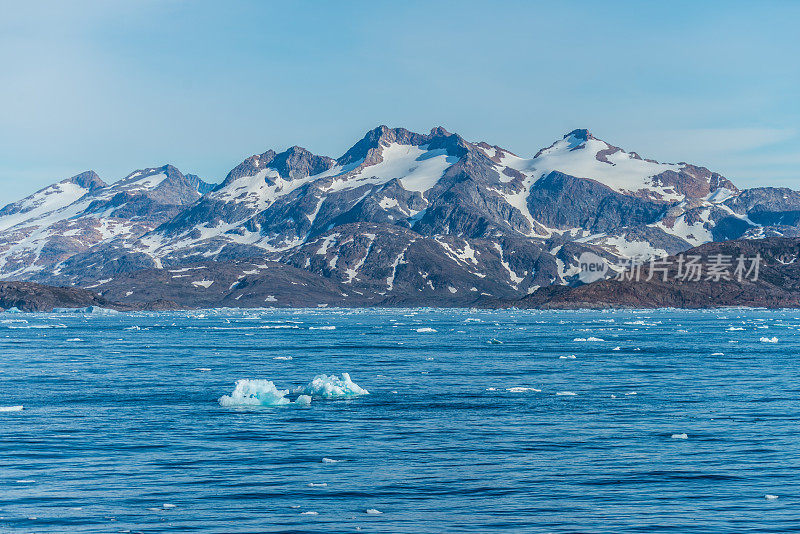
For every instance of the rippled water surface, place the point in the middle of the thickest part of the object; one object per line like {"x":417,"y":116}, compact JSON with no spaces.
{"x":475,"y":421}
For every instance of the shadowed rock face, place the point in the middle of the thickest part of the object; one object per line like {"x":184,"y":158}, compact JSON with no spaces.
{"x":401,"y":217}
{"x":561,"y":201}
{"x":31,"y":297}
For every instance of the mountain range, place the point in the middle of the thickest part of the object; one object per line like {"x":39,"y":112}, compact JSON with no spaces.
{"x":401,"y":218}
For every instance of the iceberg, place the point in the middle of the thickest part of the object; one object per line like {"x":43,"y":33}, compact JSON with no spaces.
{"x":251,"y":392}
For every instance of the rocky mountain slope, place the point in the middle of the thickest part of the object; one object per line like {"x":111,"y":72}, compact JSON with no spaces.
{"x":401,"y":217}
{"x":32,"y":297}
{"x":777,"y":284}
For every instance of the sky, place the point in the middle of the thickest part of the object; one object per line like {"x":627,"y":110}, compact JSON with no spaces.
{"x":118,"y":86}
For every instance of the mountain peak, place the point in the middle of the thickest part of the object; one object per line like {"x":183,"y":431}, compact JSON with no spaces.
{"x":87,"y":179}
{"x":581,"y":134}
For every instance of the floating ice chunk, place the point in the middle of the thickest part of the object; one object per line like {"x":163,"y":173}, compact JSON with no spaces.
{"x":617,"y":348}
{"x":265,"y":393}
{"x":255,"y":393}
{"x":679,"y":436}
{"x":373,"y":511}
{"x":317,"y":484}
{"x":330,"y":461}
{"x":566,"y":393}
{"x":332,"y":387}
{"x":523,"y":390}
{"x":491,"y":389}
{"x":770,"y":497}
{"x":569,"y":357}
{"x":769,"y":339}
{"x":426,"y":330}
{"x":18,"y":408}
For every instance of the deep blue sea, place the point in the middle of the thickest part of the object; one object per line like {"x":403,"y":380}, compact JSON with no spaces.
{"x":474,"y":421}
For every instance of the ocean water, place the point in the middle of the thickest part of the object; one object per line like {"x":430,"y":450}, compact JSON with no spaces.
{"x":474,"y":421}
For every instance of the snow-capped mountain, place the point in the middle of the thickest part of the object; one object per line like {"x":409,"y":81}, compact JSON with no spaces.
{"x":39,"y":232}
{"x":401,"y":217}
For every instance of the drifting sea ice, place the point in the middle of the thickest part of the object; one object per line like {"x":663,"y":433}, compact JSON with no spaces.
{"x":679,"y":436}
{"x":264,"y":392}
{"x":18,"y":408}
{"x":769,"y":340}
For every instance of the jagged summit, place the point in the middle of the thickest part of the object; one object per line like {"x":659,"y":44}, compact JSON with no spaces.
{"x":88,"y":180}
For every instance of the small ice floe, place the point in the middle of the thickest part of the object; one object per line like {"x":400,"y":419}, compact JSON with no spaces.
{"x":569,"y":357}
{"x":679,"y":436}
{"x":520,"y":389}
{"x":282,"y":358}
{"x":617,"y":348}
{"x":317,"y":484}
{"x":566,"y":393}
{"x":494,"y":341}
{"x":168,"y":506}
{"x":770,"y":497}
{"x":330,"y":461}
{"x":491,"y":389}
{"x":265,"y":393}
{"x":426,"y":330}
{"x":18,"y":408}
{"x":309,"y":513}
{"x":769,"y":340}
{"x":373,"y":511}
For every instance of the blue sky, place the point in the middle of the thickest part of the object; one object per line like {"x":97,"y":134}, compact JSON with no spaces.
{"x":115,"y":86}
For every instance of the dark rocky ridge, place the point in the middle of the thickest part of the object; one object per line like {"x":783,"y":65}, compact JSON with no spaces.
{"x":777,"y":284}
{"x":32,"y":297}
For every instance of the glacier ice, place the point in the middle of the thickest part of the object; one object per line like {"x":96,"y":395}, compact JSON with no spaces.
{"x":253,"y":392}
